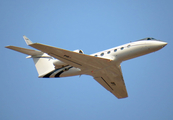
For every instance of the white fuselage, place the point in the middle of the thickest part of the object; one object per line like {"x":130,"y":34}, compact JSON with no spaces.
{"x":131,"y":50}
{"x":122,"y":53}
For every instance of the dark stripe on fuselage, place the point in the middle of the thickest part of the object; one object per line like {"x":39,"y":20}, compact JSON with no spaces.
{"x":58,"y":74}
{"x":66,"y":69}
{"x":49,"y":74}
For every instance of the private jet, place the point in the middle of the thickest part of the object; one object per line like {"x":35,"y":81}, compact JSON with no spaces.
{"x":104,"y":66}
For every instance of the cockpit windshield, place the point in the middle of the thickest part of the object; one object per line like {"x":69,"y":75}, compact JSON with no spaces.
{"x":148,"y":38}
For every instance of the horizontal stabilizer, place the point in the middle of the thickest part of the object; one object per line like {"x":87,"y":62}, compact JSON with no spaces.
{"x":25,"y":51}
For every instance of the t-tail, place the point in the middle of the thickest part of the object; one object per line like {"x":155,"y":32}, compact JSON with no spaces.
{"x":43,"y":62}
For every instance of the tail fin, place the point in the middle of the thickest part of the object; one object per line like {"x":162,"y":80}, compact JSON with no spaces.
{"x":43,"y":62}
{"x":28,"y":41}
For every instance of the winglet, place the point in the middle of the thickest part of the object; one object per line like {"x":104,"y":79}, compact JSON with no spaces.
{"x":28,"y":41}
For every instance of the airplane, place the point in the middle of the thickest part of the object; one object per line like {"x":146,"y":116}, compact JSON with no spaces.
{"x":104,"y":66}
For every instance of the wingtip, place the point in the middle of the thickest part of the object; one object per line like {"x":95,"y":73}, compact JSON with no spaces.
{"x":27,"y":40}
{"x":8,"y":46}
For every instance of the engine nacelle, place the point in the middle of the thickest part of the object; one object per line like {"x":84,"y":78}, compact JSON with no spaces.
{"x":59,"y":63}
{"x":79,"y":51}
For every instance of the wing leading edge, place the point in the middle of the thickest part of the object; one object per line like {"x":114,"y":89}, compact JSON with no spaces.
{"x":103,"y":70}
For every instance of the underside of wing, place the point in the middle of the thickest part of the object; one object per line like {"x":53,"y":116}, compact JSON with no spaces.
{"x":78,"y":60}
{"x":111,"y":78}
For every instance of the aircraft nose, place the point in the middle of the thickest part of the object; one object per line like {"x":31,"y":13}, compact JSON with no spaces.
{"x":159,"y":45}
{"x":162,"y":44}
{"x":156,"y":45}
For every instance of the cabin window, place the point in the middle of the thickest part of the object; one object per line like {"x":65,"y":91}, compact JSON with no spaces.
{"x":95,"y":55}
{"x":115,"y":50}
{"x":102,"y":54}
{"x":128,"y":46}
{"x":122,"y":48}
{"x":109,"y":52}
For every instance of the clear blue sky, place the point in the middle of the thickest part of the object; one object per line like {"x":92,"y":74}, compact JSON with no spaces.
{"x":90,"y":25}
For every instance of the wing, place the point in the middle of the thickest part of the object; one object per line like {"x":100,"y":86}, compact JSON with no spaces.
{"x":111,"y":78}
{"x":78,"y":60}
{"x":103,"y":70}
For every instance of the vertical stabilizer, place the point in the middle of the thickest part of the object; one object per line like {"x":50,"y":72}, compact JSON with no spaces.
{"x":43,"y":64}
{"x":27,"y":40}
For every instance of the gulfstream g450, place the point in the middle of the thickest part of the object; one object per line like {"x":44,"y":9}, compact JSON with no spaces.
{"x":104,"y":66}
